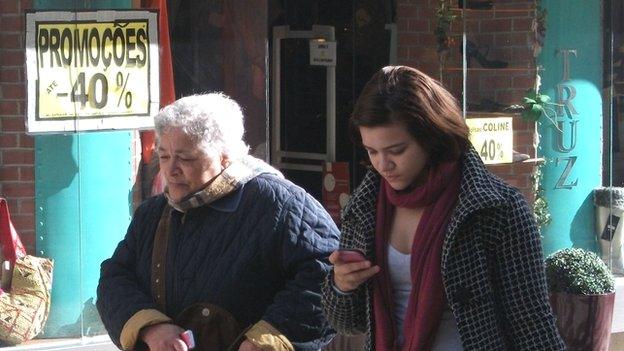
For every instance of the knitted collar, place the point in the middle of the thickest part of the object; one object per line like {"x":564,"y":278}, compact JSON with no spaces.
{"x":235,"y":175}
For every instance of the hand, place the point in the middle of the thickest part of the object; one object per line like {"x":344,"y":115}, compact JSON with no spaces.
{"x":248,"y":346}
{"x":163,"y":337}
{"x":349,"y":276}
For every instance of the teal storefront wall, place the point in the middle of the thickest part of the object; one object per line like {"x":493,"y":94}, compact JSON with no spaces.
{"x":572,"y":76}
{"x":83,"y":187}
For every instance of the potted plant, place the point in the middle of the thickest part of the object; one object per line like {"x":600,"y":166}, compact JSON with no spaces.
{"x":445,"y":17}
{"x":536,"y":105}
{"x":582,"y":294}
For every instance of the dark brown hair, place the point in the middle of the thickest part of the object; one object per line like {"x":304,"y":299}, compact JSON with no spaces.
{"x":429,"y":112}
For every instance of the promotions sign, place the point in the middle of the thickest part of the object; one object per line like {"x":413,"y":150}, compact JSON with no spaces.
{"x":94,"y":70}
{"x":493,"y":138}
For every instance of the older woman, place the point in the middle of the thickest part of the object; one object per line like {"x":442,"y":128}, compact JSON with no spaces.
{"x":230,"y":247}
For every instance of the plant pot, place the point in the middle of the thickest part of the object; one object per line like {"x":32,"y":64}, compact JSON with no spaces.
{"x":609,"y":203}
{"x":584,"y":321}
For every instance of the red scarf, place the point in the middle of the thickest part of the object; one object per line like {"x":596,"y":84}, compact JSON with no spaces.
{"x":426,"y":301}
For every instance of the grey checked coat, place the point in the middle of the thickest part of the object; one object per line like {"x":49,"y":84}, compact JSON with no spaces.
{"x":492,"y":266}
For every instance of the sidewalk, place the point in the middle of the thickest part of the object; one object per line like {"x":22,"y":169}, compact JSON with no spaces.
{"x":95,"y":343}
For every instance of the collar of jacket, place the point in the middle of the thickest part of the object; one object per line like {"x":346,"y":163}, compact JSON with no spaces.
{"x":478,"y":190}
{"x":230,"y":202}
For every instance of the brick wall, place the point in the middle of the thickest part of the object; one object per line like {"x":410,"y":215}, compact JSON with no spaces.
{"x":507,"y":34}
{"x":16,"y":148}
{"x":502,"y":33}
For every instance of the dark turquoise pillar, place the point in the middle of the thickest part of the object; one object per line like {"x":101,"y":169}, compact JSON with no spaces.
{"x":83,"y":186}
{"x":572,"y":76}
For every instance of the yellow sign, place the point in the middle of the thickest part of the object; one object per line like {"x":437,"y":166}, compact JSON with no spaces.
{"x":92,"y":70}
{"x":493,"y":138}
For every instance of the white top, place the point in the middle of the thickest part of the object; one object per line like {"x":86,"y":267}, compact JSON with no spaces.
{"x":401,"y":282}
{"x":400,"y":279}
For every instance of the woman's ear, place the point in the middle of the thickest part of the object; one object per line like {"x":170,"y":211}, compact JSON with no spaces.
{"x":225,"y":161}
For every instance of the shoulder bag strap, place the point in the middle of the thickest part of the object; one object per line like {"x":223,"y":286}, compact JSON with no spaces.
{"x":159,"y":258}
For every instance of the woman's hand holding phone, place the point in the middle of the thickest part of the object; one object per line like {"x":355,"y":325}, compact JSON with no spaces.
{"x":351,"y":269}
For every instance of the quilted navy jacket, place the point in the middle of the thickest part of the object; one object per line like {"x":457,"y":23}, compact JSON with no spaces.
{"x":260,"y":253}
{"x":492,"y":266}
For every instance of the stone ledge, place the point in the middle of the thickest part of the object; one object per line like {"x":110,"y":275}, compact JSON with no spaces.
{"x":616,"y":343}
{"x":87,"y":343}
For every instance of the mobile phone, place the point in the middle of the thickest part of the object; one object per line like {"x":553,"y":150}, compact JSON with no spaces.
{"x":188,"y":338}
{"x":350,"y":256}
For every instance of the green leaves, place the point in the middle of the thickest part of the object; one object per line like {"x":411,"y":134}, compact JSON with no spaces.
{"x":541,"y":209}
{"x":578,"y":271}
{"x":535,"y":105}
{"x":445,"y":18}
{"x":534,"y":112}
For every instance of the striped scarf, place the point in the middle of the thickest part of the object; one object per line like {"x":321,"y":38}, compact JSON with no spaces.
{"x":234,"y":176}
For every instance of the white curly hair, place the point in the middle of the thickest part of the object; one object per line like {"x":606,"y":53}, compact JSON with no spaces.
{"x":213,"y":120}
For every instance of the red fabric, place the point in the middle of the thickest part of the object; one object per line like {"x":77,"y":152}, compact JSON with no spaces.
{"x":438,"y":196}
{"x":12,"y":247}
{"x":167,"y":88}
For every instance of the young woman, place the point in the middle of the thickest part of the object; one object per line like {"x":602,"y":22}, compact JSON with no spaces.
{"x":453,"y":259}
